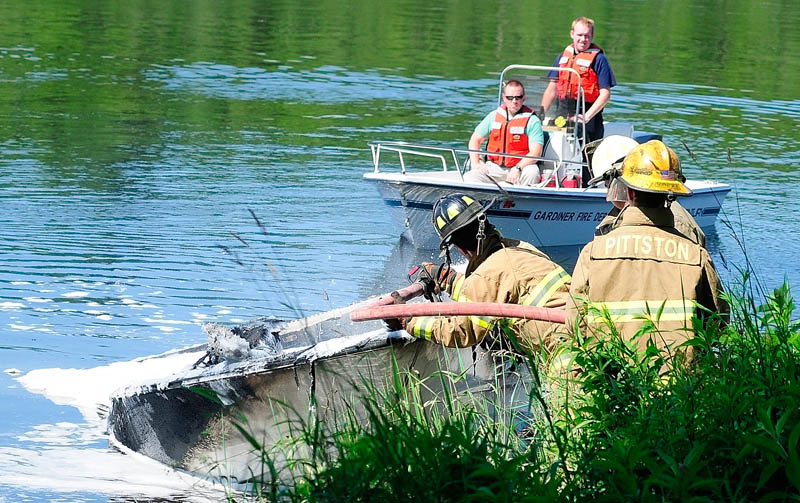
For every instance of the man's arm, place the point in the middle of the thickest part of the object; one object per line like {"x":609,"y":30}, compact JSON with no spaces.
{"x":481,"y":132}
{"x":709,"y":291}
{"x":605,"y":80}
{"x":475,"y":142}
{"x":597,"y":106}
{"x":578,"y":291}
{"x":459,"y":331}
{"x":549,"y":95}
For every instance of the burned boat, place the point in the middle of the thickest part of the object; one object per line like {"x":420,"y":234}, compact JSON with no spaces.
{"x":313,"y":368}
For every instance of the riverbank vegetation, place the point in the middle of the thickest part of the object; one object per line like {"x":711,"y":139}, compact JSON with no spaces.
{"x":629,"y":427}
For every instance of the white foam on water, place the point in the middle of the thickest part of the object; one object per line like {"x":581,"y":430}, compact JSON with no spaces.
{"x":8,"y":305}
{"x":75,"y":295}
{"x":37,"y":299}
{"x":61,"y":458}
{"x":90,"y":389}
{"x":68,"y":470}
{"x":23,"y":328}
{"x":61,"y":434}
{"x":168,"y":322}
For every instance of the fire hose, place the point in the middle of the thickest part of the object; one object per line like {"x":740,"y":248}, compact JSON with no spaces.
{"x":385,"y":308}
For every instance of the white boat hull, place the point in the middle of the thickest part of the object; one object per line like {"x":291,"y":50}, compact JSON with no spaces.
{"x":543,"y":216}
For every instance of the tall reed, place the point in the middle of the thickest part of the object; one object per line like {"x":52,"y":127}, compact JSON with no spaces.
{"x":630,"y":426}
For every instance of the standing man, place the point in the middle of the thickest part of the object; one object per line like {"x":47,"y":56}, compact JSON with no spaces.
{"x":499,"y":270}
{"x":512,"y":129}
{"x":644,"y":271}
{"x":596,"y":79}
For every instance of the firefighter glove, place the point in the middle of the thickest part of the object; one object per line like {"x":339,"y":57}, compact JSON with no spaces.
{"x":394,"y":324}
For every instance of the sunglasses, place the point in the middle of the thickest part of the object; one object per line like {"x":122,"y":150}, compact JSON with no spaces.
{"x":512,"y":98}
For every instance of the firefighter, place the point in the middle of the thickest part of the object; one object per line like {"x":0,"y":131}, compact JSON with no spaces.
{"x":605,"y":160}
{"x":498,"y":270}
{"x":644,"y":268}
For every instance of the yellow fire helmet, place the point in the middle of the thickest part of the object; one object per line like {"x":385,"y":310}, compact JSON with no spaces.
{"x":654,"y":167}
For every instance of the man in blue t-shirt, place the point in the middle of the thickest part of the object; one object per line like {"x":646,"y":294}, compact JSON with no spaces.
{"x":514,"y":129}
{"x":596,"y":79}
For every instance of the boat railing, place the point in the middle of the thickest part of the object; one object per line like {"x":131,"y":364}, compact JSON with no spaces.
{"x":580,"y":102}
{"x":401,"y":148}
{"x":450,"y":158}
{"x":444,"y":154}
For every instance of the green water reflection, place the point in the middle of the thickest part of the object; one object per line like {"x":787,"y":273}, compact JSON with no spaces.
{"x":75,"y":74}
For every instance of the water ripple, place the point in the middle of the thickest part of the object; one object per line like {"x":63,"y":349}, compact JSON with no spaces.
{"x":326,"y":84}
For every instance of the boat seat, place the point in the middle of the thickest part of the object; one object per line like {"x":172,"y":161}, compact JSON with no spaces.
{"x":618,"y":128}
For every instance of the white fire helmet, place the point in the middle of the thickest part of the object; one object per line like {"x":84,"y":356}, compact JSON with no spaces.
{"x":607,"y":158}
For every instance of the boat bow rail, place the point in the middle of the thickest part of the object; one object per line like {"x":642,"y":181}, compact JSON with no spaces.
{"x":456,"y":160}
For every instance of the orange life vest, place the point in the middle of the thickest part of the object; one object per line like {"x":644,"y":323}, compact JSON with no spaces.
{"x":581,"y":62}
{"x":508,"y":136}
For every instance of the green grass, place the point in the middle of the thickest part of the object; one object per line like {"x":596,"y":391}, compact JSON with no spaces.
{"x":631,"y":426}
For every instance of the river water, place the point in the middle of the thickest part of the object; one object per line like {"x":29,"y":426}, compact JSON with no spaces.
{"x":167,"y":164}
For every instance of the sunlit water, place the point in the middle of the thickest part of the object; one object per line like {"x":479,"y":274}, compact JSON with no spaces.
{"x":205,"y":189}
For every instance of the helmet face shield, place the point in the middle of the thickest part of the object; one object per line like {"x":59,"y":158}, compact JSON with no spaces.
{"x":610,"y":151}
{"x":617,"y":191}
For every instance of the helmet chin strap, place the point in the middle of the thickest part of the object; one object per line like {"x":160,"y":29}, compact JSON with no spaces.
{"x":670,"y":198}
{"x":447,"y":256}
{"x":481,"y":234}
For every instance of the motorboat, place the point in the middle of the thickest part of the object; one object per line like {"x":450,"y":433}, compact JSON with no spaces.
{"x":558,"y":211}
{"x":257,"y":380}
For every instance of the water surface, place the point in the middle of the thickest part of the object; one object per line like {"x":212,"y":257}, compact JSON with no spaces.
{"x":167,"y":164}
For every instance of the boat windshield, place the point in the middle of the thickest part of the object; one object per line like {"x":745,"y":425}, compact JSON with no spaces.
{"x":539,"y":81}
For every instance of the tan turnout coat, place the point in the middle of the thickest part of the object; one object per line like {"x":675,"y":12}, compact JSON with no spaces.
{"x":684,"y":223}
{"x":517,"y":273}
{"x":643,"y":269}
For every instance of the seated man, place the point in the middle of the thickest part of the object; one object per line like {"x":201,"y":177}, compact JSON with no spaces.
{"x":512,"y":129}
